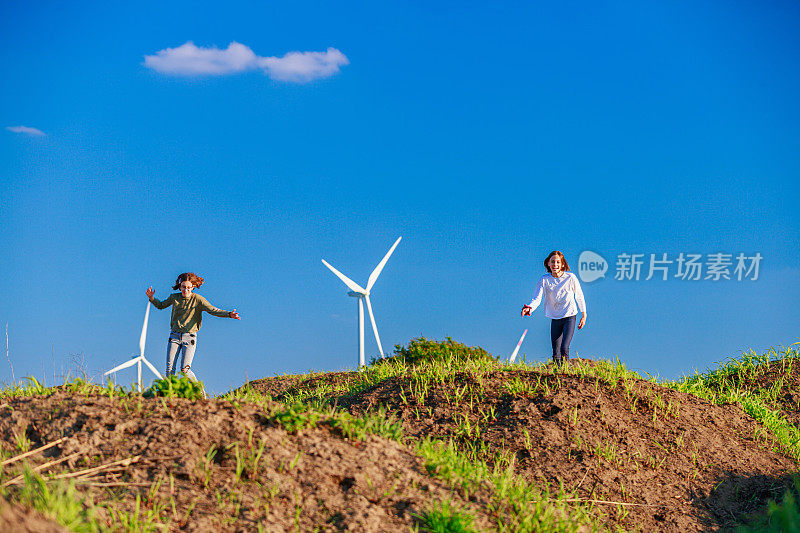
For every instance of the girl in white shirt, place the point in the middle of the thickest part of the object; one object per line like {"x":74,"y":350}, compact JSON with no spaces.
{"x":561,"y":289}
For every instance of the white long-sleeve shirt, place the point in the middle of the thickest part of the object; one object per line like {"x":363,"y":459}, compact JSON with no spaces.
{"x":560,"y":295}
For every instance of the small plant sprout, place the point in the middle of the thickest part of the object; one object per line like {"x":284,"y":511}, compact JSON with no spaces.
{"x":207,"y":465}
{"x":23,"y":444}
{"x":573,"y":417}
{"x":527,"y":439}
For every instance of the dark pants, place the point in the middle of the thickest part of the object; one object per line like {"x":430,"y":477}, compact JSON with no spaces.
{"x":561,"y":330}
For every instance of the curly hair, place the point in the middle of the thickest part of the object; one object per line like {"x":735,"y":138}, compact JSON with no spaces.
{"x":188,"y":276}
{"x":563,"y":261}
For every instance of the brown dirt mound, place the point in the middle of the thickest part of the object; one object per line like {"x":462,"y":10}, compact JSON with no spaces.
{"x":682,"y":463}
{"x":312,"y":479}
{"x":280,"y":387}
{"x":21,"y":520}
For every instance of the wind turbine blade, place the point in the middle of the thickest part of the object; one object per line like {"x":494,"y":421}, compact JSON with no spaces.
{"x":123,"y":366}
{"x":516,"y":350}
{"x":377,"y":272}
{"x":374,"y":327}
{"x":355,"y":287}
{"x":143,"y":336}
{"x":151,"y":367}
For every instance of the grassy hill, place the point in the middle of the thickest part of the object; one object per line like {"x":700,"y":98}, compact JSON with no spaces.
{"x":441,"y":437}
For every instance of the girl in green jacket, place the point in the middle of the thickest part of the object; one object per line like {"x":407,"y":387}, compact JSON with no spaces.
{"x":187,"y":308}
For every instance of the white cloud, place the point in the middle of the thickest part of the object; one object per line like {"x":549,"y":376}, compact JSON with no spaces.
{"x":25,"y":129}
{"x":304,"y":66}
{"x":191,"y":60}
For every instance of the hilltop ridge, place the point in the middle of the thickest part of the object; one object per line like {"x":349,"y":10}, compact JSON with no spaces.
{"x":441,"y":437}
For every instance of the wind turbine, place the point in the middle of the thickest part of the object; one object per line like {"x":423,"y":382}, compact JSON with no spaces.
{"x":140,"y":359}
{"x":362,"y":294}
{"x":516,"y":350}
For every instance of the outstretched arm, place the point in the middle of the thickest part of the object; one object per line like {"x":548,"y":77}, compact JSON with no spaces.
{"x":155,"y":301}
{"x":537,"y":298}
{"x":211,"y":310}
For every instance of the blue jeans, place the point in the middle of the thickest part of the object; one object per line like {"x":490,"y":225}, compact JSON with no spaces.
{"x":561,"y":330}
{"x":184,"y":344}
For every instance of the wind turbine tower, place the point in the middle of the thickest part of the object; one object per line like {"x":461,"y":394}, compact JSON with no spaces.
{"x":362,"y":294}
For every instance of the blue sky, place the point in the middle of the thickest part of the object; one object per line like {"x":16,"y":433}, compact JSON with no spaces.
{"x":485,"y":135}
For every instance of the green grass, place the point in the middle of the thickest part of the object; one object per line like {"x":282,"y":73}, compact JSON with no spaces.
{"x":59,"y":501}
{"x":140,"y":519}
{"x":30,"y":386}
{"x":444,"y":517}
{"x":296,"y":417}
{"x":516,"y":504}
{"x":371,"y":423}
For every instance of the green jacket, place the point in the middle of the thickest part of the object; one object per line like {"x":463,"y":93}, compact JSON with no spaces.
{"x":187,"y":312}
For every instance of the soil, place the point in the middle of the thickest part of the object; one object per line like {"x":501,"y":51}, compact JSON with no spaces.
{"x":692,"y":466}
{"x":650,"y":458}
{"x":311,"y":479}
{"x":16,"y":518}
{"x":280,"y":387}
